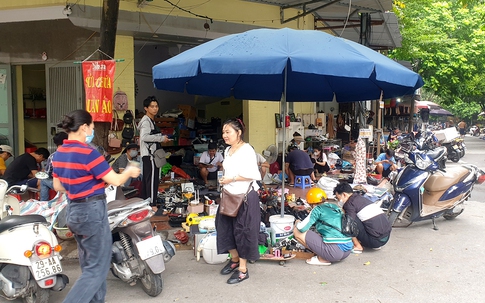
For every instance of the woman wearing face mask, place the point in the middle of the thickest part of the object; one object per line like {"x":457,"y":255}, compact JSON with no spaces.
{"x":130,"y":153}
{"x":319,"y":158}
{"x":81,"y":171}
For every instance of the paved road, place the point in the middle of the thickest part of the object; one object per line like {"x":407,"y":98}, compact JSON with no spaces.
{"x":418,"y":264}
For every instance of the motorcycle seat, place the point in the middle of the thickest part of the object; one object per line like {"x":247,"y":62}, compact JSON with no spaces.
{"x":122,"y":203}
{"x":441,"y":181}
{"x":12,"y":221}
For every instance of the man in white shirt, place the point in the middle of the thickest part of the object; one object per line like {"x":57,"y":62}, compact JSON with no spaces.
{"x":210,"y":162}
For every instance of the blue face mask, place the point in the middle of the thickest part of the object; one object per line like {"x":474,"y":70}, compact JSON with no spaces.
{"x":89,"y":138}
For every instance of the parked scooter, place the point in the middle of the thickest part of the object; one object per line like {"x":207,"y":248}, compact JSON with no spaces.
{"x":424,"y":192}
{"x":29,"y":252}
{"x":474,"y":131}
{"x":456,"y":149}
{"x":427,"y":141}
{"x":138,"y":252}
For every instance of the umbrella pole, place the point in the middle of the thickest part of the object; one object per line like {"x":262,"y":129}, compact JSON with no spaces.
{"x":283,"y":110}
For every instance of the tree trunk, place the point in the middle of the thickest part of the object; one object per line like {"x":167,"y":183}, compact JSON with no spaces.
{"x":109,"y":24}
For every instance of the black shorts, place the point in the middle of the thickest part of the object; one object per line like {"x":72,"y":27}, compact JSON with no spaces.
{"x":212,"y":175}
{"x":303,"y":172}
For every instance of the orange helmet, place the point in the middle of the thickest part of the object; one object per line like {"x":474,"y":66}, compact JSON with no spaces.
{"x":315,"y":195}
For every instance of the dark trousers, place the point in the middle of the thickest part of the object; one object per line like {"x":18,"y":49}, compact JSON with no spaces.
{"x":367,"y":240}
{"x":89,"y":223}
{"x":151,"y":179}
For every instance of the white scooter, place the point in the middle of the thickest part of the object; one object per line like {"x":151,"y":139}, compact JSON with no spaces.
{"x":30,"y":262}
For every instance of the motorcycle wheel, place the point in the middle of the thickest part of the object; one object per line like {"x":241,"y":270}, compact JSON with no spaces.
{"x":462,"y":153}
{"x":37,"y":295}
{"x":393,"y":217}
{"x":452,"y":215}
{"x":455,"y":157}
{"x":151,"y":283}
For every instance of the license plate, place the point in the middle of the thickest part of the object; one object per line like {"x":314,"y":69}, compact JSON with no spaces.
{"x":150,"y":247}
{"x":46,"y":268}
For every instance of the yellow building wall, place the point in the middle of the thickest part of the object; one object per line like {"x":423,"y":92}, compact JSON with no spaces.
{"x":259,"y":117}
{"x":230,"y":11}
{"x":125,"y":70}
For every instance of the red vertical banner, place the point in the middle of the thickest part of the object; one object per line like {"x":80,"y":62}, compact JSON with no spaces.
{"x":98,"y":79}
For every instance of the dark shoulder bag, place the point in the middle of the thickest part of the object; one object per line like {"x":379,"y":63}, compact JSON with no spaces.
{"x":231,"y":203}
{"x":349,"y":225}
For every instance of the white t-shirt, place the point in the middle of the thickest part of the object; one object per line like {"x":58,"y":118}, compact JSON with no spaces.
{"x":244,"y":164}
{"x":260,"y":159}
{"x":206,"y":159}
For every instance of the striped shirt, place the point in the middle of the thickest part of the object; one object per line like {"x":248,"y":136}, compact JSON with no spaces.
{"x":79,"y":168}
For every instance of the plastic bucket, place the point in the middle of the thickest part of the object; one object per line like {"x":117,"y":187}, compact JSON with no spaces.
{"x":281,"y":227}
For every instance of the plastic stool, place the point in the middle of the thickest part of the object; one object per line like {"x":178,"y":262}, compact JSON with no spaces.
{"x":303,"y":181}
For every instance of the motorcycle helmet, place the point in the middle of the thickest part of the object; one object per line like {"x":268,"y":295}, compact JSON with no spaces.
{"x":315,"y":195}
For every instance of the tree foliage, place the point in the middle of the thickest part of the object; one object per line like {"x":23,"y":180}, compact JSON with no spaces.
{"x":445,"y":41}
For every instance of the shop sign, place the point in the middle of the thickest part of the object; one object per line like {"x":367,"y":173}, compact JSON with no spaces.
{"x":98,"y":77}
{"x":365,"y":133}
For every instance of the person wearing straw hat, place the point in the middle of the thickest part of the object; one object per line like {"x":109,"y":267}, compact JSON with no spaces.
{"x":5,"y":153}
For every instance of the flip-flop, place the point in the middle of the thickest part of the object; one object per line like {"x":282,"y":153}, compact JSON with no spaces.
{"x":292,"y":185}
{"x":357,"y":251}
{"x":314,"y":261}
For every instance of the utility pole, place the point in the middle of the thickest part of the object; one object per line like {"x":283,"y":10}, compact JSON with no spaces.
{"x":109,"y":25}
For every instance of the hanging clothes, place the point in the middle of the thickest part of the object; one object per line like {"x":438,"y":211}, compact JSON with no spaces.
{"x":360,"y":176}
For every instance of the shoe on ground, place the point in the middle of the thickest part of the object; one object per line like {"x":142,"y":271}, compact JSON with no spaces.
{"x":314,"y":261}
{"x":238,"y":276}
{"x":229,"y":267}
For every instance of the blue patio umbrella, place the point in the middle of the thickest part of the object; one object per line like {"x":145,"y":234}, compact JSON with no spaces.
{"x":287,"y":65}
{"x":308,"y":65}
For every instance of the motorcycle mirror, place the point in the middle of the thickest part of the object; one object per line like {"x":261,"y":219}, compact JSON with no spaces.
{"x":42,"y":175}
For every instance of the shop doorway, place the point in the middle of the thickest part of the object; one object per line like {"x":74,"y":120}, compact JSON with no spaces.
{"x":6,"y":124}
{"x":49,"y":91}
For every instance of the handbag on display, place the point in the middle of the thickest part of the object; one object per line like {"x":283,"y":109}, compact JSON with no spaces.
{"x":116,"y":123}
{"x":231,"y":203}
{"x":120,"y":100}
{"x":113,"y":140}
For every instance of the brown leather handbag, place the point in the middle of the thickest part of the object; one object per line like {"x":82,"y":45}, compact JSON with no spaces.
{"x":231,"y":203}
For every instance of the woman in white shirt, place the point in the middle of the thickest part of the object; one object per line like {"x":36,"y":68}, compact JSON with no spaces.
{"x":239,"y":236}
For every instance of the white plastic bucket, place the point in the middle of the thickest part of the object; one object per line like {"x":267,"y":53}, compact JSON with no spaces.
{"x":281,"y":227}
{"x":209,"y":250}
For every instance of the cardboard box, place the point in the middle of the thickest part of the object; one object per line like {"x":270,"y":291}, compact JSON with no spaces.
{"x":446,"y":135}
{"x":188,"y":111}
{"x":195,"y":208}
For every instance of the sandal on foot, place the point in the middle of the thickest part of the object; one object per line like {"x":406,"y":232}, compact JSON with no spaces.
{"x":357,"y":251}
{"x":314,"y":261}
{"x":238,"y":276}
{"x":229,"y":267}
